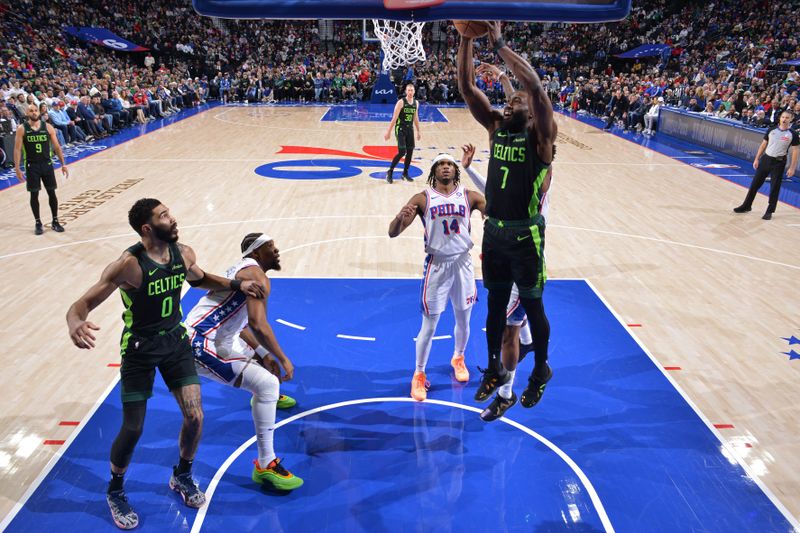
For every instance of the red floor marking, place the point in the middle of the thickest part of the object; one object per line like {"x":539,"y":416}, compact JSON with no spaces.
{"x":723,"y":426}
{"x":748,"y":445}
{"x":53,"y":442}
{"x":114,"y":364}
{"x":69,"y":423}
{"x":634,"y":325}
{"x":672,"y":368}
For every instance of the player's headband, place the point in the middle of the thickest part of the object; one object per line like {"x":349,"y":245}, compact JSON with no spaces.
{"x":256,"y":244}
{"x":444,"y":157}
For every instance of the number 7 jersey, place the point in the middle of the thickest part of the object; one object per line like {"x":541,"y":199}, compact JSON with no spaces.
{"x":515,"y":177}
{"x":447,"y":224}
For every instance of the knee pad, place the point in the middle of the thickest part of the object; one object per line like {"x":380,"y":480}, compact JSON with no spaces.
{"x":261,"y":382}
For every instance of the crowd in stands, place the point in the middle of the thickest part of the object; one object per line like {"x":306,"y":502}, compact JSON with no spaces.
{"x":727,"y":60}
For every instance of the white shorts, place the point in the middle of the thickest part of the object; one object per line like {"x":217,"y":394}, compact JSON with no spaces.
{"x":446,"y":278}
{"x":515,"y":313}
{"x":211,"y":365}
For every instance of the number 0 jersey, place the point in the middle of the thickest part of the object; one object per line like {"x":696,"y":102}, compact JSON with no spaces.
{"x":447,"y":224}
{"x":154,"y":307}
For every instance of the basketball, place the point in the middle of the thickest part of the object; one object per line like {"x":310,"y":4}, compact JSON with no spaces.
{"x":471,"y":28}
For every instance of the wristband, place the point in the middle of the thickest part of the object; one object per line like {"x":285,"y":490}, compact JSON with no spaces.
{"x":261,"y":351}
{"x":236,"y":284}
{"x":498,"y":44}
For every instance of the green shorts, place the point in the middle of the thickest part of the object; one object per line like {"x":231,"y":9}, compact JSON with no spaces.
{"x":171,"y":353}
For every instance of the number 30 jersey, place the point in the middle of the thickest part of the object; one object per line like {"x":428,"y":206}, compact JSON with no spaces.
{"x":447,"y":224}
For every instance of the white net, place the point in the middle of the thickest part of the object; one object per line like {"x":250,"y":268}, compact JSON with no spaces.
{"x":401,"y":42}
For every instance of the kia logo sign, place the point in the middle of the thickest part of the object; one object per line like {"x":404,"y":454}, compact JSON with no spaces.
{"x":383,"y":91}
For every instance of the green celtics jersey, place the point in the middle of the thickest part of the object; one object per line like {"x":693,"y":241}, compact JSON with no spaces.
{"x":515,"y":178}
{"x":36,"y":146}
{"x":154,"y":307}
{"x":406,"y":118}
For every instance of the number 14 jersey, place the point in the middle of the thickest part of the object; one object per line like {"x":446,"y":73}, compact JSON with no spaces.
{"x":447,"y":224}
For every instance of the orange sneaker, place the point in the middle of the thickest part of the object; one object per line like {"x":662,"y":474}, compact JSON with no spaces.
{"x":419,"y":387}
{"x":462,"y":374}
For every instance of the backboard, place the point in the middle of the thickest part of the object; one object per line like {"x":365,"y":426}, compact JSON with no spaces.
{"x":419,"y":10}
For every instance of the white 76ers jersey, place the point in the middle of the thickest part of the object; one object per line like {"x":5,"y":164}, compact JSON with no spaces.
{"x":447,"y":225}
{"x":219,"y":316}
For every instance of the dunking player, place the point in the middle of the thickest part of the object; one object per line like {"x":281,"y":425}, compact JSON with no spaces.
{"x":517,"y":341}
{"x":216,"y":321}
{"x":444,"y":208}
{"x":513,"y":242}
{"x":36,"y":139}
{"x":404,"y":120}
{"x":150,"y":275}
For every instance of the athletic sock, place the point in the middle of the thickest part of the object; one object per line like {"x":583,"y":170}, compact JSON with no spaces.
{"x":506,"y":391}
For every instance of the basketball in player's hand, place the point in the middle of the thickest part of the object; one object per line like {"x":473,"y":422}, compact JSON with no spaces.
{"x":472,"y":29}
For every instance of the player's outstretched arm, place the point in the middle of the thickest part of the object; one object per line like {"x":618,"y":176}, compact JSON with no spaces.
{"x":543,"y":127}
{"x":476,"y":101}
{"x":198,"y":278}
{"x":257,"y":319}
{"x":120,"y":273}
{"x":466,"y":163}
{"x":497,"y":74}
{"x":414,"y":207}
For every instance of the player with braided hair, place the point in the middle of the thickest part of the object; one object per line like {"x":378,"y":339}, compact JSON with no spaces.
{"x":444,"y":208}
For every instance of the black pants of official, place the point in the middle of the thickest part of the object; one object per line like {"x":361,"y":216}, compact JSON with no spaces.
{"x":767,"y":166}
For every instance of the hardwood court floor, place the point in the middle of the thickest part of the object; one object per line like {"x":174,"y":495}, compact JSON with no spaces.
{"x":714,"y":293}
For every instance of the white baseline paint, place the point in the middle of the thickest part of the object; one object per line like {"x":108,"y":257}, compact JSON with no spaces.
{"x":731,"y":449}
{"x":354,"y":337}
{"x":295,"y":326}
{"x":212,"y":487}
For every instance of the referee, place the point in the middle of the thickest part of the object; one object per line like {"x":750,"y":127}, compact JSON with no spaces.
{"x":771,"y":161}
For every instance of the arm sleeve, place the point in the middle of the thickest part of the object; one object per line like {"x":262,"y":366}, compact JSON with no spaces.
{"x":795,"y":138}
{"x":477,"y":179}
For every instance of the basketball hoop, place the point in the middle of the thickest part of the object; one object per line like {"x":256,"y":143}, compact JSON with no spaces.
{"x":401,"y":42}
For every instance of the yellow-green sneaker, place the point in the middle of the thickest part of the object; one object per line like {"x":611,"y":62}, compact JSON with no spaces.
{"x":275,"y":475}
{"x":284,"y":402}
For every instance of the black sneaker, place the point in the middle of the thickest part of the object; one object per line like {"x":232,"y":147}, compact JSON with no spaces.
{"x":489,"y":383}
{"x":187,"y":487}
{"x":122,"y":513}
{"x":767,"y":216}
{"x":56,"y":226}
{"x":407,"y":178}
{"x":535,"y":390}
{"x":498,"y":407}
{"x":742,"y":209}
{"x":389,"y":178}
{"x":38,"y":229}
